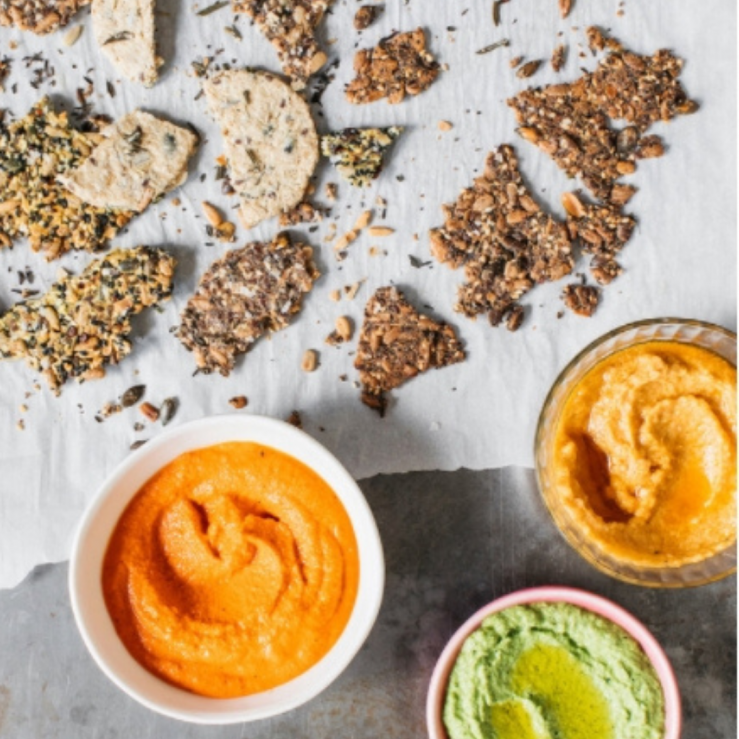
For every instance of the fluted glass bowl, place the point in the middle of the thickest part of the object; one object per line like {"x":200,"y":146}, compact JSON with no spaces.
{"x":697,"y":333}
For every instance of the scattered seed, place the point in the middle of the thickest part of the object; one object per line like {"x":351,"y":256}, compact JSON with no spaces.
{"x":212,"y":8}
{"x":150,"y":411}
{"x":239,"y":401}
{"x":445,"y":126}
{"x":310,"y":361}
{"x":565,"y":6}
{"x":169,"y":408}
{"x":352,"y":290}
{"x":211,"y":213}
{"x":528,"y":69}
{"x":344,"y":328}
{"x":380,"y":231}
{"x":233,"y":31}
{"x":335,"y":295}
{"x":133,"y":395}
{"x":138,"y":443}
{"x":363,"y":220}
{"x":493,"y":47}
{"x":72,"y":35}
{"x":294,"y":419}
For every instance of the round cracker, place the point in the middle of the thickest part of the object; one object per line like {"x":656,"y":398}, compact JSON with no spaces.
{"x":270,"y":140}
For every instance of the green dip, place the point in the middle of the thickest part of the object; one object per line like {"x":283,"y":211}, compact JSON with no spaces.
{"x":552,"y":671}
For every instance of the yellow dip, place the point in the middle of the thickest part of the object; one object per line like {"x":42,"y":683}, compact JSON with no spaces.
{"x":645,"y":454}
{"x":233,"y":570}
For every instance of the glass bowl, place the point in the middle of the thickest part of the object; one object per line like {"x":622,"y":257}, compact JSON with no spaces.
{"x":697,"y":333}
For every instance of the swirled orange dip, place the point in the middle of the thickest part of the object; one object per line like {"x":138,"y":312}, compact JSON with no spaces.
{"x":645,"y":454}
{"x":233,"y":570}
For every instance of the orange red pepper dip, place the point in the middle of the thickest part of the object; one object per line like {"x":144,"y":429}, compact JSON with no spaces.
{"x":233,"y":570}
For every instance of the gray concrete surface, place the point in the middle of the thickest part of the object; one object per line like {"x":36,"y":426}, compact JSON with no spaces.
{"x":453,"y":541}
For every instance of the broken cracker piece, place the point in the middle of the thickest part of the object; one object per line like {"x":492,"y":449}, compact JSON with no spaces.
{"x":34,"y":151}
{"x":82,"y":323}
{"x":398,"y":66}
{"x":245,"y":294}
{"x":503,"y":239}
{"x":290,"y":26}
{"x":125,"y":33}
{"x":581,"y":299}
{"x":396,"y":343}
{"x":358,"y":153}
{"x":140,"y":159}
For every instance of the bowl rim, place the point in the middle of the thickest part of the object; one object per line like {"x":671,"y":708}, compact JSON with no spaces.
{"x":584,"y":599}
{"x":369,"y":550}
{"x":539,"y":436}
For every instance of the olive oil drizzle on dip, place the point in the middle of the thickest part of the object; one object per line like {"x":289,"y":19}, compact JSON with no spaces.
{"x":233,"y":570}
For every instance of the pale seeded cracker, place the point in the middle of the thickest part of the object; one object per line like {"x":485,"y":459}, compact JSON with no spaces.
{"x":290,"y":26}
{"x":270,"y":141}
{"x":358,"y":153}
{"x":397,"y":343}
{"x":399,"y":65}
{"x":139,"y":159}
{"x":34,"y":152}
{"x":82,"y":323}
{"x":39,"y":16}
{"x":504,"y":240}
{"x":249,"y":292}
{"x":124,"y":30}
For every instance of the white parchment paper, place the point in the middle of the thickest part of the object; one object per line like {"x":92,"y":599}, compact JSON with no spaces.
{"x":479,"y":414}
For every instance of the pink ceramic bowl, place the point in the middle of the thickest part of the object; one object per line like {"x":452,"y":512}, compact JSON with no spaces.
{"x":581,"y":598}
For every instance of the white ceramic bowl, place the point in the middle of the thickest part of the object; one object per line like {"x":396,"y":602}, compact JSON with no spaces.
{"x":98,"y":522}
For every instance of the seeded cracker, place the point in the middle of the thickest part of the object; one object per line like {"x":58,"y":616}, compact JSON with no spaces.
{"x":34,"y":151}
{"x":398,"y":66}
{"x":81,"y":324}
{"x":270,"y":141}
{"x":581,"y":299}
{"x":140,"y":158}
{"x":249,"y":292}
{"x":504,"y":240}
{"x":290,"y":26}
{"x":397,"y":343}
{"x":570,"y":122}
{"x":38,"y":16}
{"x":358,"y":153}
{"x":125,"y":32}
{"x":603,"y":231}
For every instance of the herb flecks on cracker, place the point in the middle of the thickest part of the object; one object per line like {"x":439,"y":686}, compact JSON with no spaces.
{"x":358,"y":153}
{"x":399,"y":65}
{"x":141,"y":158}
{"x":82,"y":323}
{"x":503,"y":239}
{"x":34,"y":152}
{"x":397,"y":343}
{"x":249,"y":292}
{"x":290,"y":26}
